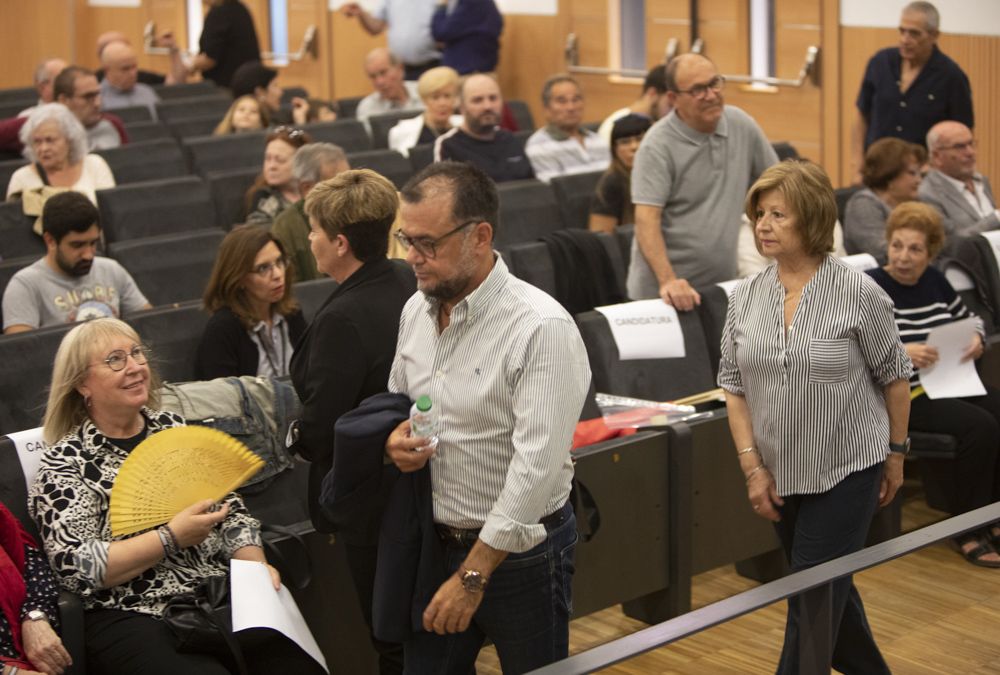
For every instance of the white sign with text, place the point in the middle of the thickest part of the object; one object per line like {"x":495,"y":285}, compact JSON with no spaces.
{"x":645,"y":329}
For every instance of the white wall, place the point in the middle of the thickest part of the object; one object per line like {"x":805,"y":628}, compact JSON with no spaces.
{"x":970,"y":17}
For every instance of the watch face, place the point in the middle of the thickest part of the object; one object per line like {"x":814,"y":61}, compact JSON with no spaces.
{"x":37,"y":615}
{"x":474,"y":582}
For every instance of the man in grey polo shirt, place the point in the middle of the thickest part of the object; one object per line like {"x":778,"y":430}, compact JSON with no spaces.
{"x":121,"y":87}
{"x":691,"y":175}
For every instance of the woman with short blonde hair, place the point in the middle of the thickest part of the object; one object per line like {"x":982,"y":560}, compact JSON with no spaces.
{"x":438,"y":89}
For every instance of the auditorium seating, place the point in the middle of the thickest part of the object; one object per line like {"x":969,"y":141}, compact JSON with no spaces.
{"x":381,"y":124}
{"x":170,"y":267}
{"x":348,"y":134}
{"x":229,"y":190}
{"x":191,"y":127}
{"x":12,"y":108}
{"x":528,"y":210}
{"x":421,"y":156}
{"x":149,"y":160}
{"x":19,"y":95}
{"x":195,"y":106}
{"x":16,"y":236}
{"x":389,"y":163}
{"x":313,"y":293}
{"x":172,"y":334}
{"x":842,"y":195}
{"x":522,"y":115}
{"x":574,"y":193}
{"x":348,"y":107}
{"x":531,"y":262}
{"x":7,"y":169}
{"x":27,"y":362}
{"x":155,"y":207}
{"x":712,"y":311}
{"x":10,"y":266}
{"x":187,"y":90}
{"x":146,"y":131}
{"x":132,"y":113}
{"x":222,"y":153}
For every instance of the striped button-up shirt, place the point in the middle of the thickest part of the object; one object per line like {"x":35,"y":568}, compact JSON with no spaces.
{"x":508,"y":378}
{"x":815,"y":395}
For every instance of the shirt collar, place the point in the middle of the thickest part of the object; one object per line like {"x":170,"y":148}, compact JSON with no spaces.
{"x":977,"y":180}
{"x":695,"y":136}
{"x":95,"y":441}
{"x":275,"y":323}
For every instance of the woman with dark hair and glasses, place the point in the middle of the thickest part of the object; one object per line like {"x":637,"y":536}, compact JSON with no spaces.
{"x":255,"y":320}
{"x":275,"y":188}
{"x":102,"y":403}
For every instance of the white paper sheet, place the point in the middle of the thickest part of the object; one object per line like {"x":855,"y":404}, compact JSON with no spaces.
{"x":950,"y":377}
{"x":645,"y":329}
{"x":30,"y":447}
{"x":862,"y":262}
{"x":257,"y":605}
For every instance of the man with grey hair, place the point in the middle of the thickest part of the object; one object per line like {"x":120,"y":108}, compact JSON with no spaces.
{"x":563,"y":146}
{"x":909,"y":88}
{"x":392,"y":92}
{"x":954,"y":187}
{"x":45,"y":77}
{"x":313,"y":163}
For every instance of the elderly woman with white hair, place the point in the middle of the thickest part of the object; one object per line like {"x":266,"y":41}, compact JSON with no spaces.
{"x":56,"y":144}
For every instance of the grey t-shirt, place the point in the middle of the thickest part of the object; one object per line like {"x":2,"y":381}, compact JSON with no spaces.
{"x":37,"y":296}
{"x":700,"y":181}
{"x":113,"y":98}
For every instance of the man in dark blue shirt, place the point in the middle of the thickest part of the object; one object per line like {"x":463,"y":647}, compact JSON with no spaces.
{"x":909,"y":89}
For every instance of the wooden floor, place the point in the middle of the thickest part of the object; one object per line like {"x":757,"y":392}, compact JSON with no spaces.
{"x":931,"y":612}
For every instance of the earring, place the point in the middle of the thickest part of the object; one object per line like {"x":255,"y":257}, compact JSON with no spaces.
{"x":87,"y":402}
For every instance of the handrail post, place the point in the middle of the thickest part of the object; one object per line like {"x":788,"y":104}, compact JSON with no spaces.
{"x":816,"y":630}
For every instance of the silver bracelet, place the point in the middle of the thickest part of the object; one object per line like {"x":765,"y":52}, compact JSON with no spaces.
{"x":167,"y":540}
{"x":745,"y":451}
{"x":755,"y":470}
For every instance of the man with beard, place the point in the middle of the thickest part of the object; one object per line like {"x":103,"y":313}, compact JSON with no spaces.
{"x":480,"y":140}
{"x":71,"y":283}
{"x":691,"y":173}
{"x":506,"y":369}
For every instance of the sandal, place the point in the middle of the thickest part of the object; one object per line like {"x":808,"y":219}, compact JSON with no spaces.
{"x":976,"y":554}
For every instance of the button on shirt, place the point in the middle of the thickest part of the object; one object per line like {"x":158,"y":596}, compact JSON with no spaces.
{"x":508,"y":377}
{"x":815,"y":398}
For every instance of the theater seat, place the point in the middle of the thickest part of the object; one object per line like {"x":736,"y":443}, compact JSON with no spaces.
{"x":713,"y":309}
{"x":187,"y":90}
{"x":133,"y":113}
{"x":313,"y":293}
{"x":421,"y":156}
{"x":522,"y":115}
{"x":528,"y":210}
{"x":27,"y":360}
{"x":192,"y":127}
{"x":381,"y":124}
{"x":389,"y":163}
{"x":194,"y":106}
{"x":172,"y":334}
{"x":149,"y":160}
{"x":229,"y":190}
{"x":224,"y":153}
{"x":348,"y":107}
{"x":7,"y":169}
{"x":147,"y":131}
{"x":171,"y":267}
{"x":573,"y":193}
{"x":531,"y":262}
{"x":10,"y":267}
{"x":17,"y":239}
{"x":13,"y":107}
{"x":19,"y":95}
{"x":155,"y":207}
{"x":652,"y":379}
{"x":348,"y":134}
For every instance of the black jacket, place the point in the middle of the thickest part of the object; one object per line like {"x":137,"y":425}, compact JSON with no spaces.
{"x":226,"y":349}
{"x":343,"y":358}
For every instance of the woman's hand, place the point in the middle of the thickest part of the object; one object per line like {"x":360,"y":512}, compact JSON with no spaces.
{"x":922,"y":355}
{"x":300,"y":111}
{"x":44,"y":648}
{"x":892,"y":478}
{"x":975,"y":348}
{"x":193,"y":525}
{"x":763,"y":494}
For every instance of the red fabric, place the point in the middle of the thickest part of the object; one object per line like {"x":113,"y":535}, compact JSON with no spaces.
{"x":118,"y":125}
{"x":13,"y":540}
{"x":507,"y":120}
{"x":593,"y":431}
{"x":9,"y":134}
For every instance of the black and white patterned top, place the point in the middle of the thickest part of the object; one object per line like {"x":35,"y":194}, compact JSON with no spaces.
{"x":815,"y":395}
{"x":41,"y":592}
{"x":69,"y":501}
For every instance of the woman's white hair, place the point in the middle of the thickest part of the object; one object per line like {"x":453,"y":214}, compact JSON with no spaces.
{"x":72,"y":130}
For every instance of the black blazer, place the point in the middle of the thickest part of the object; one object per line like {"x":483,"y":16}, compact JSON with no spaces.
{"x":226,"y":349}
{"x":343,"y":358}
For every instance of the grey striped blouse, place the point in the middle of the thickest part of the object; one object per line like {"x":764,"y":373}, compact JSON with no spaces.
{"x":508,"y":377}
{"x":815,"y":398}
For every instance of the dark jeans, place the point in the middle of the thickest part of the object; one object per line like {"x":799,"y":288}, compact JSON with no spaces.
{"x":414,"y":71}
{"x":122,"y":642}
{"x":814,"y":529}
{"x":973,"y":477}
{"x":525,"y":611}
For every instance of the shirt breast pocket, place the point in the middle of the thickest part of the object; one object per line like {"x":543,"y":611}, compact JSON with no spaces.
{"x":828,"y":361}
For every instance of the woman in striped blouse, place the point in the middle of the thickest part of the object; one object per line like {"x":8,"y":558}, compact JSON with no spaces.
{"x":924,"y":299}
{"x":816,"y":388}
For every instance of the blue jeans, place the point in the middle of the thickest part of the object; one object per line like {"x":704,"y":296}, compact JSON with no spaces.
{"x":525,"y":611}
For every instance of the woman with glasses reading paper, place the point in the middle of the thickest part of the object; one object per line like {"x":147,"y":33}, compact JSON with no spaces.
{"x":255,"y":320}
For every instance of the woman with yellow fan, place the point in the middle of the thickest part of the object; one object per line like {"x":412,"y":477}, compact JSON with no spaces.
{"x":95,"y":421}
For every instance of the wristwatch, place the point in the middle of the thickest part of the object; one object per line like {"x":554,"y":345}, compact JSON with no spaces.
{"x":473,"y":581}
{"x":902,"y":448}
{"x":37,"y":615}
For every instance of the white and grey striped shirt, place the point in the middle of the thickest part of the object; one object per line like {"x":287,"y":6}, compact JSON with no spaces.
{"x":508,"y":377}
{"x":815,"y":398}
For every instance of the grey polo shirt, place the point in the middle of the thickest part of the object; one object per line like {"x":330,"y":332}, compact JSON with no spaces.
{"x":113,"y":98}
{"x":700,"y":181}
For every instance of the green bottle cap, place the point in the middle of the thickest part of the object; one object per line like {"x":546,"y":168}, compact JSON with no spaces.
{"x":424,"y":403}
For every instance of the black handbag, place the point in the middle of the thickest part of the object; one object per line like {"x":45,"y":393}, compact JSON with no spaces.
{"x":201,"y":620}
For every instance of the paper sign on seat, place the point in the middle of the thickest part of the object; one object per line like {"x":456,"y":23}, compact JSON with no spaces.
{"x":645,"y":329}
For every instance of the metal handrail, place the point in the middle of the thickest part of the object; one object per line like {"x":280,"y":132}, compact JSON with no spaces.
{"x":572,"y":55}
{"x":814,"y":583}
{"x":808,"y":68}
{"x":308,"y":45}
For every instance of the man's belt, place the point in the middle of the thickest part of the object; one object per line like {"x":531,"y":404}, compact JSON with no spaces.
{"x":466,"y":538}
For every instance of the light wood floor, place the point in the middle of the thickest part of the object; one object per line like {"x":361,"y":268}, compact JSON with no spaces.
{"x":931,"y":612}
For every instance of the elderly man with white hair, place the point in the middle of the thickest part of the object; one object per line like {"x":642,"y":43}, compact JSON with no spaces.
{"x":120,"y":87}
{"x":45,"y":76}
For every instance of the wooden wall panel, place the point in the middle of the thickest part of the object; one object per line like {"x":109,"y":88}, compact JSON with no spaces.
{"x":666,"y":19}
{"x":977,"y":55}
{"x":723,"y":25}
{"x":348,"y":43}
{"x":30,"y":32}
{"x":531,"y":49}
{"x":311,"y":73}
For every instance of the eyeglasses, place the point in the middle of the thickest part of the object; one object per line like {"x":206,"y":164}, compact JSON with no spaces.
{"x":426,"y":246}
{"x":117,"y":359}
{"x":960,"y":147}
{"x":699,"y":91}
{"x":266,"y":269}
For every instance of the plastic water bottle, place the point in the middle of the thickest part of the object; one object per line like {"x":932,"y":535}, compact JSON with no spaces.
{"x":424,"y":422}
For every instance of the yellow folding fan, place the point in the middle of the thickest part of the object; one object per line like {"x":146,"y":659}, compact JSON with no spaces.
{"x":173,"y":469}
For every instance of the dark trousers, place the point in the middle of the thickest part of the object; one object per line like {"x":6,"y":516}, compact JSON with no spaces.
{"x":121,"y":642}
{"x":814,"y":529}
{"x":525,"y":611}
{"x":972,"y":479}
{"x":413,"y":71}
{"x":361,"y":562}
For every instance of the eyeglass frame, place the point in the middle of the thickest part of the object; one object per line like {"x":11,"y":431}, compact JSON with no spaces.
{"x":699,"y":91}
{"x":264,"y":270}
{"x":406,"y":241}
{"x":136,"y":351}
{"x":958,"y":147}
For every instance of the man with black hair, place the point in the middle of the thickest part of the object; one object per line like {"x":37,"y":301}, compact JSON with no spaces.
{"x":71,"y":283}
{"x":506,"y":369}
{"x":77,"y":89}
{"x":653,"y":103}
